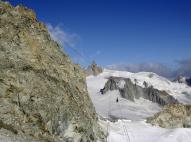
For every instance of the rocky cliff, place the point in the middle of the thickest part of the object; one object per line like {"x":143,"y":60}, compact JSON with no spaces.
{"x":43,"y":95}
{"x":130,"y":91}
{"x":173,"y":116}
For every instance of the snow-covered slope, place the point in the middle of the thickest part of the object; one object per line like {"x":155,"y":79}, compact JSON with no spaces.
{"x":107,"y":107}
{"x":180,"y":91}
{"x":132,"y":114}
{"x":140,"y":131}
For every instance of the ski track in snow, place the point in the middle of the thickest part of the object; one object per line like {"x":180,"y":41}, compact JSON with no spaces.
{"x":131,"y":124}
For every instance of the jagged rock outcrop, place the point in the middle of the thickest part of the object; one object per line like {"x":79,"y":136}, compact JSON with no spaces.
{"x":93,"y":69}
{"x":182,"y":79}
{"x":173,"y":116}
{"x":130,"y":91}
{"x":43,"y":95}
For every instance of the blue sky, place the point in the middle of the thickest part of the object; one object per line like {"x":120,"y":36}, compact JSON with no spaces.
{"x":121,"y":31}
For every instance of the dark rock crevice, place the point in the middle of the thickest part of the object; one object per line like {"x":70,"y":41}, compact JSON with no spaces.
{"x":188,"y":81}
{"x":8,"y":127}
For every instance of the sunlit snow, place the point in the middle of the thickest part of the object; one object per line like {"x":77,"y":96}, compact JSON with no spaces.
{"x":130,"y":125}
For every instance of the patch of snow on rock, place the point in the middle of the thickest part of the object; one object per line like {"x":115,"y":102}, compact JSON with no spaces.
{"x":121,"y":84}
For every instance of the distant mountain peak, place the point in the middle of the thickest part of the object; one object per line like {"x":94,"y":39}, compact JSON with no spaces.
{"x":93,"y":69}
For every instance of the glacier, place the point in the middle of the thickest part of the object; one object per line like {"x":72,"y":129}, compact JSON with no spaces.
{"x":125,"y":121}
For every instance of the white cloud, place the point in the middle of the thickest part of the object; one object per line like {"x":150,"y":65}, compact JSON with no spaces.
{"x":67,"y":40}
{"x":58,"y":34}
